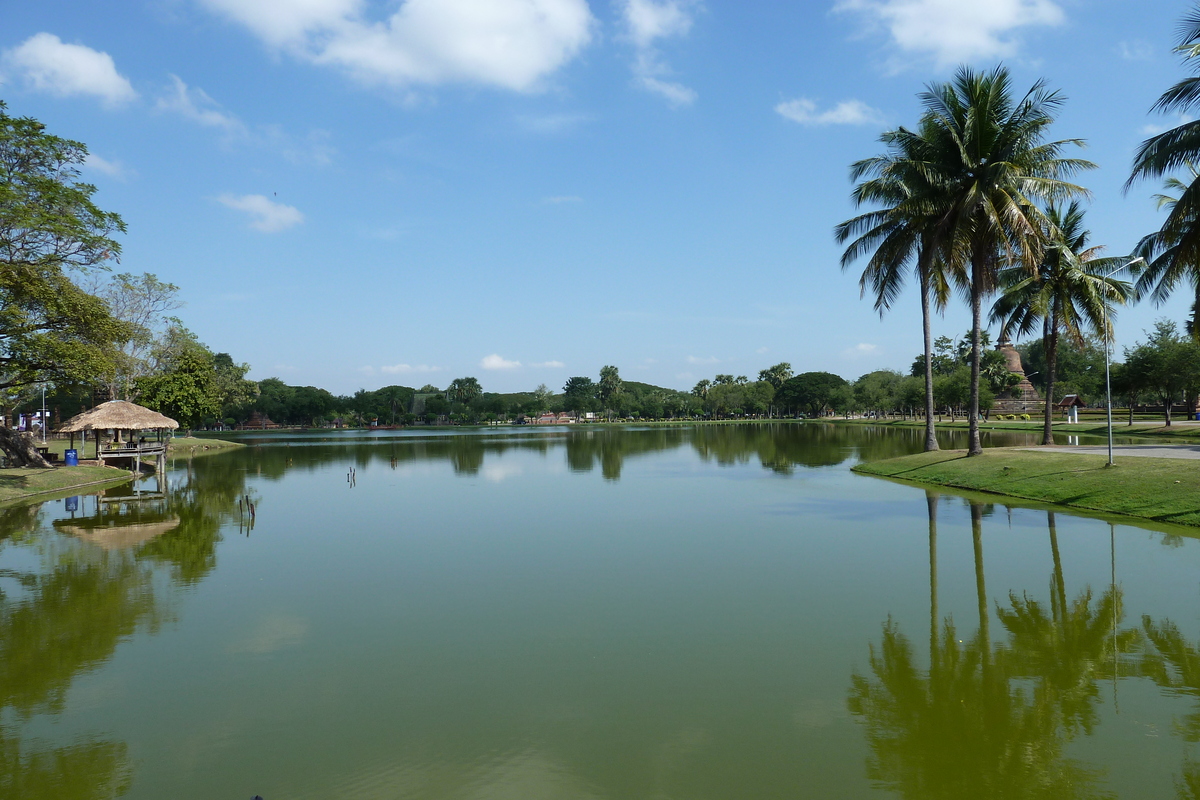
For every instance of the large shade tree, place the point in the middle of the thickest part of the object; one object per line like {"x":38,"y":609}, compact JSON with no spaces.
{"x":989,"y":153}
{"x":50,"y":231}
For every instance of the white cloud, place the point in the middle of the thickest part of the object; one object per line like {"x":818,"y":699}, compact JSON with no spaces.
{"x":1155,"y":128}
{"x":847,"y":112}
{"x":495,"y":361}
{"x":649,"y":20}
{"x":696,"y":360}
{"x":266,"y":215}
{"x":512,"y":44}
{"x":403,"y":369}
{"x":194,"y":104}
{"x":676,"y":94}
{"x":646,"y":22}
{"x":548,"y":364}
{"x":953,"y":31}
{"x":861,"y":350}
{"x":1137,"y":50}
{"x":49,"y":64}
{"x":113,"y":169}
{"x":761,"y":350}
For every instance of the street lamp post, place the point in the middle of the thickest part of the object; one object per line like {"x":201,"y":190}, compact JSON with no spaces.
{"x":1108,"y":359}
{"x":43,"y":413}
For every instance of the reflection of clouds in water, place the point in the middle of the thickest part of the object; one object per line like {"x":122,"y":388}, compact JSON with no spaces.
{"x":497,"y":471}
{"x":272,"y":632}
{"x":529,"y":775}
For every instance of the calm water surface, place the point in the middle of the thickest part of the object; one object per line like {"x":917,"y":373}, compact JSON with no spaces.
{"x":709,"y":612}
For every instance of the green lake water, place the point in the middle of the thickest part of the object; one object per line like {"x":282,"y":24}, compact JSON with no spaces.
{"x":673,"y":612}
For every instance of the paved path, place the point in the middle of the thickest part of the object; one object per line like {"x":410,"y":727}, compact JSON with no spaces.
{"x":1139,"y":450}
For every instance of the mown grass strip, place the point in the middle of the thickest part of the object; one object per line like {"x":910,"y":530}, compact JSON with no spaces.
{"x":1160,"y":489}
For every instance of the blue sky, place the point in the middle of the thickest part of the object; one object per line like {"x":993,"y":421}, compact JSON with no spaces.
{"x":353,"y":194}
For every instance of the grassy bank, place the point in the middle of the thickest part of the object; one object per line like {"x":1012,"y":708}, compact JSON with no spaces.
{"x":190,"y":446}
{"x":17,"y":485}
{"x":1160,"y":489}
{"x":1153,"y":430}
{"x":179,"y":446}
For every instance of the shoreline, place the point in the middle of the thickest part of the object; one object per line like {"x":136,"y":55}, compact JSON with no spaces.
{"x":1179,"y":429}
{"x":25,"y":484}
{"x":1161,"y":490}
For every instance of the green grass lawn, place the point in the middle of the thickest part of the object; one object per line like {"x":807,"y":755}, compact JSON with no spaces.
{"x":180,"y":445}
{"x":1161,"y":489}
{"x":19,"y":484}
{"x":1147,"y":428}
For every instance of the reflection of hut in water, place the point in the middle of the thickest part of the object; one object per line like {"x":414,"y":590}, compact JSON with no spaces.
{"x":121,"y":520}
{"x":123,"y":417}
{"x":119,"y":537}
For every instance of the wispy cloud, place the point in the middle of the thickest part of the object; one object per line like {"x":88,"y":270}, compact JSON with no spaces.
{"x":194,"y":104}
{"x":1137,"y":50}
{"x":404,"y":369}
{"x":547,"y":364}
{"x":48,"y":64}
{"x":698,"y":360}
{"x":646,"y":23}
{"x":496,"y":361}
{"x":861,"y":350}
{"x":511,"y":44}
{"x":847,"y":112}
{"x":111,"y":168}
{"x":1155,"y":128}
{"x":560,"y":199}
{"x":951,"y":31}
{"x":266,"y":215}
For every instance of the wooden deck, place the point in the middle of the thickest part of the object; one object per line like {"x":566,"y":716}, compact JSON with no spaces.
{"x":134,"y":456}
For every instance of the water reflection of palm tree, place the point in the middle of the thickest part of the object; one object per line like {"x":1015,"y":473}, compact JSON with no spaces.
{"x":961,"y":729}
{"x":1068,"y":648}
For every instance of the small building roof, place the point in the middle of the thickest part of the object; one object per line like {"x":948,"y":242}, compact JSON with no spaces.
{"x":120,"y":415}
{"x":1071,"y":400}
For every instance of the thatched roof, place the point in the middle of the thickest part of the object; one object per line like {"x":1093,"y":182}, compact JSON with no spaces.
{"x":119,"y":414}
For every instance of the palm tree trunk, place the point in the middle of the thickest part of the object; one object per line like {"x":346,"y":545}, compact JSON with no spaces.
{"x":985,"y":639}
{"x":1050,"y":343}
{"x":974,"y":447}
{"x":930,"y":431}
{"x":931,"y":503}
{"x":1060,"y":585}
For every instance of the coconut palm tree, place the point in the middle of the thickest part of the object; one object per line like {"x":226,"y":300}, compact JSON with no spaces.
{"x":1173,"y":252}
{"x":905,"y":232}
{"x":1165,"y":251}
{"x":988,"y":153}
{"x":1067,"y":293}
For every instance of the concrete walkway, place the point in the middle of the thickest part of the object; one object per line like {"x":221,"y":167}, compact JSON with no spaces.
{"x":1139,"y":450}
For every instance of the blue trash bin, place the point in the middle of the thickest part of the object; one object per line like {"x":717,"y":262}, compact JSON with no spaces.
{"x":71,"y":458}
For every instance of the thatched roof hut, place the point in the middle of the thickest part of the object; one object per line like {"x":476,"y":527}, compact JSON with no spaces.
{"x":119,"y":415}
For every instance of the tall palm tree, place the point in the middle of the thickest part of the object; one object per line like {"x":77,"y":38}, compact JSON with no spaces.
{"x":1173,"y":252}
{"x":1068,"y":292}
{"x":990,"y":157}
{"x":1165,"y":251}
{"x":904,"y":233}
